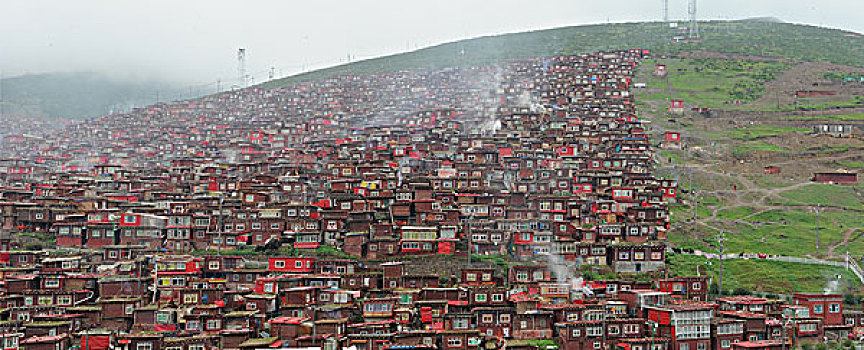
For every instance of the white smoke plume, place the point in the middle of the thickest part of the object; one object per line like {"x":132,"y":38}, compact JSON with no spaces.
{"x":564,"y":271}
{"x":833,"y":285}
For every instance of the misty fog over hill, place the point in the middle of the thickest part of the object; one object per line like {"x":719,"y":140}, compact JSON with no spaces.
{"x":82,"y":94}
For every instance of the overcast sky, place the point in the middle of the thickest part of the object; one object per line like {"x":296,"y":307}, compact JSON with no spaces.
{"x":197,"y":41}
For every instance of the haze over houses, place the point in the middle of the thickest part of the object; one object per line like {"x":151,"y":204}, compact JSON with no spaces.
{"x":216,"y":223}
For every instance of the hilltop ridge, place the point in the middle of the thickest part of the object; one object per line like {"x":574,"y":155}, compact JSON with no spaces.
{"x":765,"y":36}
{"x":84,"y":95}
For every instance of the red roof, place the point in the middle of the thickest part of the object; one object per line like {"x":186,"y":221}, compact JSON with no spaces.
{"x":742,"y":314}
{"x":57,"y":315}
{"x":760,"y":344}
{"x":377,"y":323}
{"x":44,"y":339}
{"x":289,"y":320}
{"x":306,"y":245}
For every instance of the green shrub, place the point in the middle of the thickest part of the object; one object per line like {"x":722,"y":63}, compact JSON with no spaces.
{"x":33,"y":246}
{"x":741,"y":291}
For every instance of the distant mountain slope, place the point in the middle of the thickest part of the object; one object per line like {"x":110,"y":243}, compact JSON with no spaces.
{"x":82,"y":95}
{"x":77,"y":95}
{"x":756,"y":36}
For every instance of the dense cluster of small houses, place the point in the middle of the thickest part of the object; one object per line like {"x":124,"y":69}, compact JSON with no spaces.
{"x":544,"y":161}
{"x":137,"y":301}
{"x":23,"y":126}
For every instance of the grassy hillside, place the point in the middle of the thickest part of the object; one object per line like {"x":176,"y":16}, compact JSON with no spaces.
{"x":748,"y":37}
{"x":723,"y":159}
{"x":765,"y":275}
{"x":713,"y":83}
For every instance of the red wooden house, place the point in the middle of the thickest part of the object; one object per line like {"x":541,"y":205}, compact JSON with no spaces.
{"x":670,"y":320}
{"x":828,"y":307}
{"x":290,"y":265}
{"x":693,"y":288}
{"x":672,"y":136}
{"x":533,"y":324}
{"x":835,"y":178}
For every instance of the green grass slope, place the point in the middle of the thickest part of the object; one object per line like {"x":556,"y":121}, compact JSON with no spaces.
{"x":766,"y":276}
{"x":748,"y":37}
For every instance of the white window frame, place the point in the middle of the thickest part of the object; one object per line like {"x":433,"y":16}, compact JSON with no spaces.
{"x":52,"y":283}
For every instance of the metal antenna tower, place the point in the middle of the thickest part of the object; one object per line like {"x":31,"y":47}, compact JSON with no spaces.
{"x":665,"y":11}
{"x":694,"y":26}
{"x":241,"y":67}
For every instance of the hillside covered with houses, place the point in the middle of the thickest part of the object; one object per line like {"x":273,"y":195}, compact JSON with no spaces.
{"x":199,"y":224}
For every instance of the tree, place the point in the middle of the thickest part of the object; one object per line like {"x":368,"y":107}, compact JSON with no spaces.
{"x":849,"y":299}
{"x":741,"y":291}
{"x":714,"y":289}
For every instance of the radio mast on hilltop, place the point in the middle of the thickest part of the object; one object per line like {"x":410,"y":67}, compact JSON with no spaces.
{"x":694,"y":26}
{"x":665,"y":11}
{"x":242,"y":79}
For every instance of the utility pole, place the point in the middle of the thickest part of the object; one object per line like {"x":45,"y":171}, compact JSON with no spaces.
{"x":777,"y":97}
{"x":695,"y":203}
{"x":818,"y":211}
{"x":714,"y":150}
{"x":720,"y":274}
{"x":694,"y":195}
